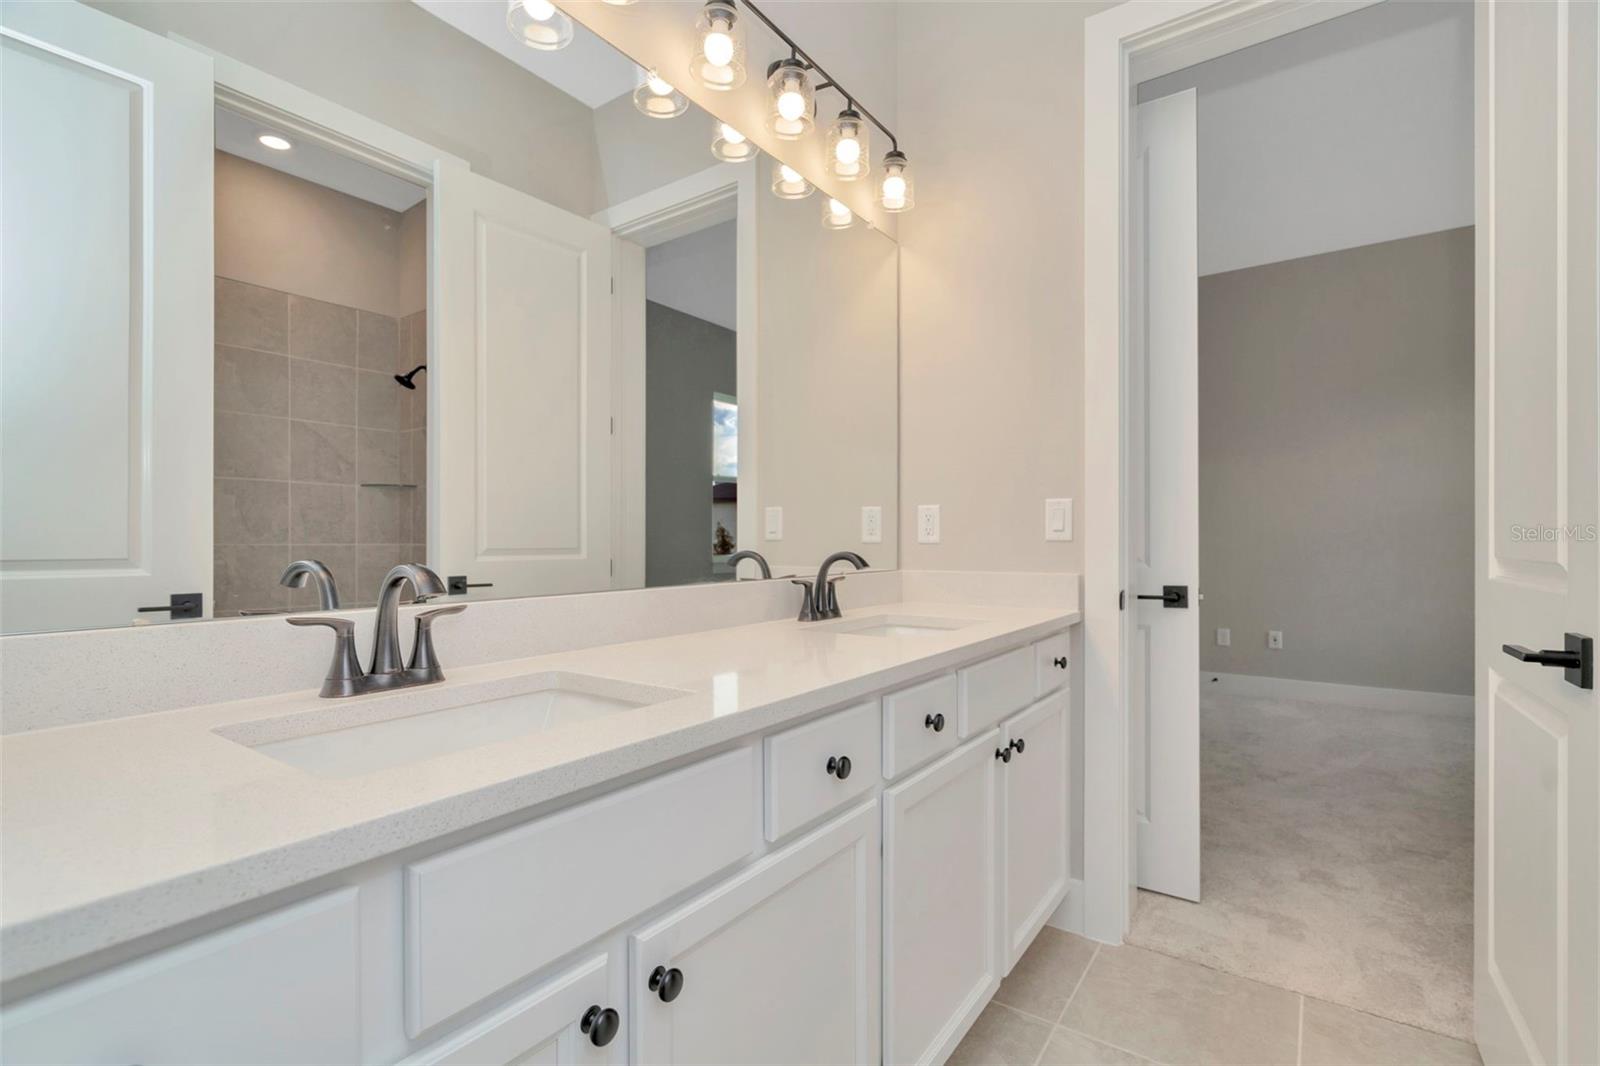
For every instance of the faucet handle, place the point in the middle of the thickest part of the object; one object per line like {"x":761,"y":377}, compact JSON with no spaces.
{"x":808,"y":605}
{"x":344,"y":672}
{"x":423,"y":659}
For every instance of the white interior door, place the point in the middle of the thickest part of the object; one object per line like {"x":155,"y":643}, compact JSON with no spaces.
{"x":520,"y":379}
{"x":1536,"y":892}
{"x":1163,"y":518}
{"x":106,"y":360}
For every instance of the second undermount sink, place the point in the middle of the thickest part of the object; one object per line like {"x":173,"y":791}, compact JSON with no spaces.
{"x":897,"y":626}
{"x":345,"y":739}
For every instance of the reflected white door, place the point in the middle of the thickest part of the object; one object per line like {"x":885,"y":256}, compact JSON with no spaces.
{"x":1163,"y":518}
{"x":520,"y":379}
{"x":1536,"y":892}
{"x":106,"y":358}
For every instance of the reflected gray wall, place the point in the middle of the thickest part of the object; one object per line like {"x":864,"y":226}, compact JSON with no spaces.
{"x":686,"y":360}
{"x":1336,"y":465}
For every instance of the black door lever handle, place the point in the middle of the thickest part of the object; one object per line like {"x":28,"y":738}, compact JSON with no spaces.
{"x":1171,"y":596}
{"x":1576,"y":658}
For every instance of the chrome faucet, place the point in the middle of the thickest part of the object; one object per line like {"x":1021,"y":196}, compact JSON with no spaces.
{"x":821,"y":601}
{"x":754,"y":556}
{"x":345,"y":676}
{"x":296,"y":573}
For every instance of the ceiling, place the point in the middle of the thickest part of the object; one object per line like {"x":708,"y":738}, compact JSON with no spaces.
{"x":588,"y":69}
{"x":237,"y":135}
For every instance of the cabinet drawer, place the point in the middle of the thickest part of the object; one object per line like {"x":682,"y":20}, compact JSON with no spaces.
{"x":919,"y":723}
{"x":481,"y":916}
{"x":546,"y":1025}
{"x":800,"y":787}
{"x":1051,"y":660}
{"x":995,"y":688}
{"x":282,"y":988}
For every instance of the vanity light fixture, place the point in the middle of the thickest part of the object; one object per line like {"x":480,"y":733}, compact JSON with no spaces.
{"x":836,"y":215}
{"x":729,"y":145}
{"x":539,"y":24}
{"x":848,"y":146}
{"x":276,"y":141}
{"x":656,"y":99}
{"x":895,"y":190}
{"x":788,"y":183}
{"x":621,"y":3}
{"x":792,"y":99}
{"x":719,"y":61}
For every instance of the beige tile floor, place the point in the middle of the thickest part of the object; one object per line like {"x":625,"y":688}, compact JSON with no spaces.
{"x":1071,"y":1002}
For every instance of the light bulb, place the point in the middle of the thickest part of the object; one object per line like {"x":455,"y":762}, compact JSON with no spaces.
{"x":731,"y":135}
{"x":718,"y":45}
{"x":657,"y":85}
{"x":539,"y":10}
{"x":791,"y":105}
{"x":839,"y":211}
{"x":848,"y":151}
{"x":894,"y":187}
{"x":790,"y":175}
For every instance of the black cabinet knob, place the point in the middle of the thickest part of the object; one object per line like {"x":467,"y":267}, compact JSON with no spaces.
{"x":666,"y":983}
{"x":600,"y":1024}
{"x":1060,"y":661}
{"x":934,"y":722}
{"x":1003,"y":754}
{"x":839,"y":766}
{"x":1019,"y":745}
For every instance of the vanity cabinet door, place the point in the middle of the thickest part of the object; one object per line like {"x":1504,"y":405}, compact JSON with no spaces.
{"x":940,"y":871}
{"x":1033,"y":801}
{"x":568,"y":1019}
{"x":776,"y":965}
{"x":282,"y":988}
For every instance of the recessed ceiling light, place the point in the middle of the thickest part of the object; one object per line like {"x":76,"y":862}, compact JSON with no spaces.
{"x":275,"y":142}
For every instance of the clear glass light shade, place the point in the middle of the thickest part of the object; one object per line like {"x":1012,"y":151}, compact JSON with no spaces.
{"x":895,"y":191}
{"x":849,"y":149}
{"x":788,"y":183}
{"x":729,"y":145}
{"x":718,"y":62}
{"x":656,"y":99}
{"x":538,"y":24}
{"x":836,"y":215}
{"x":792,"y":100}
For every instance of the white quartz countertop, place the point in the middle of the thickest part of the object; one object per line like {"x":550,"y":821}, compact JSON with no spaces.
{"x":117,"y":829}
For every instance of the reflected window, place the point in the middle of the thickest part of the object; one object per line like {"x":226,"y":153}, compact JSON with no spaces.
{"x":724,"y":438}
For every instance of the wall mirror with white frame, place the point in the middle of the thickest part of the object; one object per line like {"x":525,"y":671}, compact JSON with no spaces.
{"x":364,"y":283}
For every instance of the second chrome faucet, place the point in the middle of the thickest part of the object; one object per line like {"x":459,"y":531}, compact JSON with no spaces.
{"x":345,"y":676}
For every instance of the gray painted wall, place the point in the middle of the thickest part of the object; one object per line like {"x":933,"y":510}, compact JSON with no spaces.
{"x":686,"y":360}
{"x":1336,"y":465}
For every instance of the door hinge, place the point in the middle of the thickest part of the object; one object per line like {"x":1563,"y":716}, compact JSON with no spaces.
{"x":613,"y":286}
{"x":1122,"y":600}
{"x":613,"y":568}
{"x":613,"y":425}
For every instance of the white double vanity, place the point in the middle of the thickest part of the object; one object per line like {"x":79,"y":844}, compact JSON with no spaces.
{"x":816,"y":842}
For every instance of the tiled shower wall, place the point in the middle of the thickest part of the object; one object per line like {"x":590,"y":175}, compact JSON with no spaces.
{"x":320,"y":453}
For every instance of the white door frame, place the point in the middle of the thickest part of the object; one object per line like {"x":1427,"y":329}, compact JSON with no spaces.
{"x":1123,"y":46}
{"x":713,"y":195}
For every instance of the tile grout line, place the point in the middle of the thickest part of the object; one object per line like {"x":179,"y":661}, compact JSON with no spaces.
{"x":1081,"y":978}
{"x":1300,"y":1034}
{"x":1107,"y":1043}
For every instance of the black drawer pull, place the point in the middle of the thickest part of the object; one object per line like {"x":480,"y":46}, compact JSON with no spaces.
{"x":1019,"y":745}
{"x":934,"y":722}
{"x":1060,"y":661}
{"x":839,"y":766}
{"x":600,"y":1024}
{"x":1003,"y":754}
{"x":666,"y":983}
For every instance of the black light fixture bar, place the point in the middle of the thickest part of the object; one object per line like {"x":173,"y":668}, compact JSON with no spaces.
{"x":831,"y":82}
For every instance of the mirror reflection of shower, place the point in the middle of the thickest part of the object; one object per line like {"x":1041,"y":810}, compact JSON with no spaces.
{"x":406,"y":380}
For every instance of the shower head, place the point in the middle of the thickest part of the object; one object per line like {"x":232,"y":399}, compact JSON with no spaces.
{"x":405,"y":379}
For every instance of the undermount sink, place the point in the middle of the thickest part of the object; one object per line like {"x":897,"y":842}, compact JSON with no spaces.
{"x":344,"y":739}
{"x":896,"y":626}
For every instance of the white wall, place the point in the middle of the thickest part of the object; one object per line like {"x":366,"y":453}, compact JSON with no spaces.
{"x":696,"y":274}
{"x":1350,"y":132}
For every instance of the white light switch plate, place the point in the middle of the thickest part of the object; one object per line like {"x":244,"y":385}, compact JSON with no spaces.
{"x":1224,"y":637}
{"x":928,"y":523}
{"x":1275,"y":639}
{"x":872,"y":525}
{"x":774,"y":523}
{"x":1058,"y":519}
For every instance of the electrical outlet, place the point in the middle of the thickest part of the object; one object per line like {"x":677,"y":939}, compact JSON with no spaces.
{"x":774,"y":523}
{"x":872,"y":525}
{"x":928,"y":523}
{"x":1224,"y":637}
{"x":1058,"y":519}
{"x":1275,"y":639}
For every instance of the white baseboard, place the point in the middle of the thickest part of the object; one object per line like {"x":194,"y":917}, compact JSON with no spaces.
{"x":1383,"y":699}
{"x":1069,"y":916}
